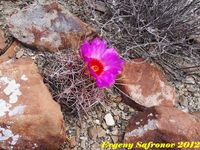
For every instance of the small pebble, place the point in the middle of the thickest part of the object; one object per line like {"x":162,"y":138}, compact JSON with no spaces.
{"x":100,"y":132}
{"x":109,"y":119}
{"x":19,"y":54}
{"x":97,"y":121}
{"x":121,"y":106}
{"x":190,"y":80}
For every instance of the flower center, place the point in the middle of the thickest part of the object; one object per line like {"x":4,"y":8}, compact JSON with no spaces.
{"x":96,"y":66}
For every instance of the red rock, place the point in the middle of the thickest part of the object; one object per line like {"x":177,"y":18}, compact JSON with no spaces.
{"x":2,"y":40}
{"x":145,"y":85}
{"x":10,"y":52}
{"x":29,"y":117}
{"x":7,"y":50}
{"x":162,"y":124}
{"x":197,"y":114}
{"x":48,"y":27}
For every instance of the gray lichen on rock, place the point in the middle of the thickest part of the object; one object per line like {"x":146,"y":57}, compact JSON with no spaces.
{"x":140,"y":131}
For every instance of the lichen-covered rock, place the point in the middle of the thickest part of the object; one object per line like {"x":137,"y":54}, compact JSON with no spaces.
{"x":145,"y":85}
{"x":48,"y":26}
{"x":162,"y":125}
{"x":29,"y":117}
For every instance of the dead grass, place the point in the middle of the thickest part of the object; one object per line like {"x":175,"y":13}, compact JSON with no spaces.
{"x":161,"y":31}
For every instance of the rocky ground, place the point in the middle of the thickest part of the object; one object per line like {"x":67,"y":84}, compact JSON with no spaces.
{"x":103,"y":122}
{"x":90,"y":131}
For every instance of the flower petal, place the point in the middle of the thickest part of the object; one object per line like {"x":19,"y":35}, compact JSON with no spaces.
{"x":93,"y":50}
{"x":98,"y":47}
{"x":112,"y":60}
{"x":85,"y":50}
{"x":106,"y":79}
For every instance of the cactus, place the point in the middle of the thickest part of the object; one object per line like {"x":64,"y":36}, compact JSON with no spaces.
{"x":69,"y":82}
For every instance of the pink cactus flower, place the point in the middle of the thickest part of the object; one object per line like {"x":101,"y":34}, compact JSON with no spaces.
{"x":103,"y":63}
